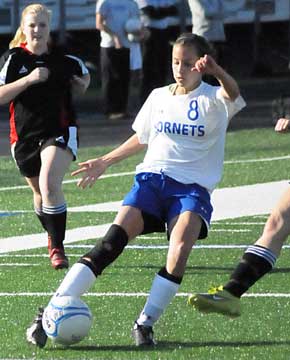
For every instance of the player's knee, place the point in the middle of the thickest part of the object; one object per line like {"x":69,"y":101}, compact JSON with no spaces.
{"x":106,"y":250}
{"x":50,"y":189}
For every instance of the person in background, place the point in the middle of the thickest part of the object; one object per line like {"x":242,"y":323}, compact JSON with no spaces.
{"x":208,"y":21}
{"x":258,"y":260}
{"x":155,"y":47}
{"x":38,"y":81}
{"x":176,"y":23}
{"x":111,"y":18}
{"x":183,"y":127}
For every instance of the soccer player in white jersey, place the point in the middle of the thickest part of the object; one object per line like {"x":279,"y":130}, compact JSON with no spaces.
{"x":183,"y":127}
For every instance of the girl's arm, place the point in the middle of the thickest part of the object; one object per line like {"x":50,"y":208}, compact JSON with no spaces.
{"x":230,"y":88}
{"x":94,"y":168}
{"x":80,"y":84}
{"x":9,"y":91}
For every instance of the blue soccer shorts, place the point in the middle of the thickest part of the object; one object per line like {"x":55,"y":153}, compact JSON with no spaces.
{"x":161,"y":198}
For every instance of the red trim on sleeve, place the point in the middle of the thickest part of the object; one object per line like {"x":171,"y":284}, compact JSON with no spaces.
{"x":13,"y":132}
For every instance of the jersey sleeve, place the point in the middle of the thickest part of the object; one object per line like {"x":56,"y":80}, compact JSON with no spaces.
{"x":79,"y":68}
{"x":232,"y":107}
{"x":142,"y":123}
{"x":5,"y":61}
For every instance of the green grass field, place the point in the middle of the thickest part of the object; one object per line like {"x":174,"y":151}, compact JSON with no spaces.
{"x":27,"y":280}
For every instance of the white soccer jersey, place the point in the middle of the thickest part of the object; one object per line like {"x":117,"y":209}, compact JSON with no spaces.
{"x":186,"y":133}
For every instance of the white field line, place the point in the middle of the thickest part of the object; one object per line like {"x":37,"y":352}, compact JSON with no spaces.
{"x":227,"y":162}
{"x":70,"y":181}
{"x":237,"y":223}
{"x":229,"y":203}
{"x":146,"y":247}
{"x":18,"y":264}
{"x":33,"y":241}
{"x":133,"y":294}
{"x":231,"y":230}
{"x":133,"y":247}
{"x":128,"y":247}
{"x":93,"y":208}
{"x":260,"y":217}
{"x":245,"y":161}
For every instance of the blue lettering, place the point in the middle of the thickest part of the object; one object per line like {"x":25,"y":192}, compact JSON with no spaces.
{"x":180,"y":129}
{"x":184,"y":129}
{"x":193,"y":127}
{"x":193,"y":110}
{"x":167,"y":127}
{"x":176,"y":128}
{"x":159,"y":126}
{"x":201,"y":130}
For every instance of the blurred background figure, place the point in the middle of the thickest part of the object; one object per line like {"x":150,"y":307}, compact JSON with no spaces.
{"x":111,"y":19}
{"x":208,"y":21}
{"x":155,"y":46}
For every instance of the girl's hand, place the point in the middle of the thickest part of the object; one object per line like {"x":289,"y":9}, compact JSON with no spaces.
{"x":282,"y":125}
{"x":117,"y":42}
{"x":38,"y":75}
{"x":206,"y":65}
{"x":92,"y":170}
{"x":79,"y":84}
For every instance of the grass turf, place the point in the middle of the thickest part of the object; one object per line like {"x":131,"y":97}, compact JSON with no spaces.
{"x":26,"y":279}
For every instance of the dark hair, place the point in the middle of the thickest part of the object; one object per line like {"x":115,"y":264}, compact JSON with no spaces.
{"x":201,"y":45}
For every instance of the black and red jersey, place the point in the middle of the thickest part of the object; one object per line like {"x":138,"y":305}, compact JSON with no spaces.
{"x":45,"y":109}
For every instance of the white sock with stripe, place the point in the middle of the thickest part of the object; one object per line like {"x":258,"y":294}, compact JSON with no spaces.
{"x":162,"y":292}
{"x":77,"y":281}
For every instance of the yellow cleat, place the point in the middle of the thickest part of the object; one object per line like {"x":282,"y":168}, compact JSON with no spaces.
{"x":217,"y":300}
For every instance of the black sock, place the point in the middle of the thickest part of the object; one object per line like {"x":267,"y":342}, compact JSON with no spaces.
{"x":255,"y":263}
{"x":163,"y":272}
{"x":41,"y":219}
{"x":55,"y":224}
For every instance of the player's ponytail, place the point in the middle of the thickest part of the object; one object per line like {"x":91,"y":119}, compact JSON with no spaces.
{"x":19,"y":38}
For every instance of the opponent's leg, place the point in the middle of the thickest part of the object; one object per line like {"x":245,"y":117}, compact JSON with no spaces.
{"x":54,"y":163}
{"x":258,"y":260}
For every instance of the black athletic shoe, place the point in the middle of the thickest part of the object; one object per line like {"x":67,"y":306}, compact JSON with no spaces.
{"x":143,"y":335}
{"x":35,"y":333}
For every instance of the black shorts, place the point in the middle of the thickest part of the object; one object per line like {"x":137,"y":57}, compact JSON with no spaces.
{"x":27,"y":153}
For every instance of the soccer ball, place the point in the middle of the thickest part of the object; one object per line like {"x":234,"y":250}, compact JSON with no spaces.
{"x":134,"y":37}
{"x":133,"y":25}
{"x":66,"y":320}
{"x":133,"y":28}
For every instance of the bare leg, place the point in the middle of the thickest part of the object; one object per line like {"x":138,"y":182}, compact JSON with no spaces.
{"x":277,"y":227}
{"x":184,"y":230}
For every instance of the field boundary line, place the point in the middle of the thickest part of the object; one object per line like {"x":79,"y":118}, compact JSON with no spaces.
{"x":275,"y":158}
{"x":106,"y":176}
{"x":226,"y":162}
{"x":133,"y":294}
{"x":247,"y":200}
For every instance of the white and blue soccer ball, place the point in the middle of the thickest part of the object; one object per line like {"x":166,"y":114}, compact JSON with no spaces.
{"x":67,"y":320}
